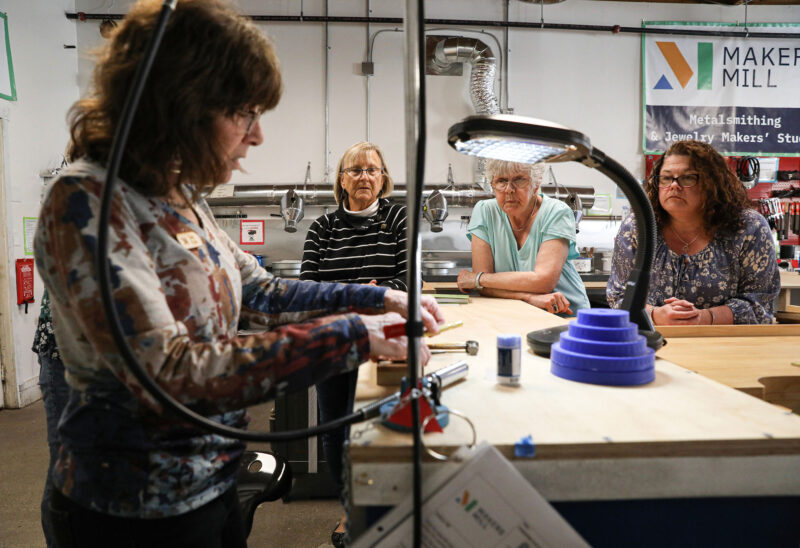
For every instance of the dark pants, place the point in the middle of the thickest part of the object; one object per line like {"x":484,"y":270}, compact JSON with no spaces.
{"x":218,"y":524}
{"x":336,"y":397}
{"x":55,"y":393}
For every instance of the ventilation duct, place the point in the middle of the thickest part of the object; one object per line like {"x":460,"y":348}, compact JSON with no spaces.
{"x":483,"y":67}
{"x":458,"y":49}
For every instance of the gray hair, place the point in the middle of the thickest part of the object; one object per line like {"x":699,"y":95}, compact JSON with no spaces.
{"x":495,"y":168}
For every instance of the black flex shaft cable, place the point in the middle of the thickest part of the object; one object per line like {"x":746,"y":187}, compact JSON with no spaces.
{"x":414,"y":25}
{"x":102,"y":267}
{"x":415,"y":156}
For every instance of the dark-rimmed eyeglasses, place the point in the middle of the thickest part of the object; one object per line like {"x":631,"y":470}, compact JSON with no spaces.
{"x":517,"y":183}
{"x":249,"y":116}
{"x":684,"y":181}
{"x":355,"y":172}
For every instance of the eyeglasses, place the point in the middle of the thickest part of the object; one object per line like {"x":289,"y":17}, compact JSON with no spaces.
{"x":518,"y":183}
{"x":355,"y":172}
{"x":684,"y":181}
{"x":250,"y":116}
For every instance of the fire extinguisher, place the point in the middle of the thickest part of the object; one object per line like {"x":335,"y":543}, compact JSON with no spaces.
{"x":25,"y":282}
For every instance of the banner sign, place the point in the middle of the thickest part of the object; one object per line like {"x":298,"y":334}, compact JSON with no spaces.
{"x":740,"y":95}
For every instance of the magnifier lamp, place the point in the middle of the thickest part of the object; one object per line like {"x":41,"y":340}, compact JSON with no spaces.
{"x":528,"y":140}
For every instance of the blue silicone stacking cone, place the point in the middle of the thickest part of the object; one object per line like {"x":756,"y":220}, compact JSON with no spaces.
{"x":603,"y":347}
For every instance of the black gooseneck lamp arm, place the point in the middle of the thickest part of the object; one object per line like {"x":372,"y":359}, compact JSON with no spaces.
{"x":638,"y":284}
{"x":103,"y":269}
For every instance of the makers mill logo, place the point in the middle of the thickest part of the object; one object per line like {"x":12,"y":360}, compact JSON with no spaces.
{"x":464,"y":501}
{"x":681,"y":68}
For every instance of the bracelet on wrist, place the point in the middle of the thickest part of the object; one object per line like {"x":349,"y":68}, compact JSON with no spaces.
{"x":713,"y":316}
{"x":478,"y":285}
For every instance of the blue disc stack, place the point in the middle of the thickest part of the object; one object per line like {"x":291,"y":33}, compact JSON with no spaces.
{"x":603,"y":347}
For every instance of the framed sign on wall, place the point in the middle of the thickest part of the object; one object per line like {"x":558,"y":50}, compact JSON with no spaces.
{"x":251,"y":232}
{"x":739,"y":94}
{"x":8,"y":89}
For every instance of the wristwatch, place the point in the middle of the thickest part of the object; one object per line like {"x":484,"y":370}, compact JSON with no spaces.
{"x":478,"y":285}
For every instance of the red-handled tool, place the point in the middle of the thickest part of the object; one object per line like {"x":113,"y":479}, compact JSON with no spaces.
{"x":399,"y":329}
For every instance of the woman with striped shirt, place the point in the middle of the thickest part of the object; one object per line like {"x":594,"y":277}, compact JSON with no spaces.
{"x":363,"y":241}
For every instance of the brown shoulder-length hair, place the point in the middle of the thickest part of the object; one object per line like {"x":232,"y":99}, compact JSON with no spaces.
{"x":724,"y":196}
{"x":212,"y":62}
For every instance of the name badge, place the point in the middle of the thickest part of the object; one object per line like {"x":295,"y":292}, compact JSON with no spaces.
{"x":189,"y":239}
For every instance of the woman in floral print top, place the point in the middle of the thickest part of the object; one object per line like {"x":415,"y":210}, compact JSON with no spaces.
{"x":44,"y":340}
{"x":182,"y":287}
{"x":715,"y":258}
{"x":55,"y":393}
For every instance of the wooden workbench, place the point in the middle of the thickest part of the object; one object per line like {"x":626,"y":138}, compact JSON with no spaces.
{"x":789,"y":281}
{"x":759,"y":366}
{"x":592,"y":442}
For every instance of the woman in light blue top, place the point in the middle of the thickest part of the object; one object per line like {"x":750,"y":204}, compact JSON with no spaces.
{"x":522,"y":243}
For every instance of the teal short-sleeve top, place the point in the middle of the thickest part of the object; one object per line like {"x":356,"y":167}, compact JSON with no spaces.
{"x":555,"y":220}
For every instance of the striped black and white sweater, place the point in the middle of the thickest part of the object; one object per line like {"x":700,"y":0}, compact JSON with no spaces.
{"x":341,"y":247}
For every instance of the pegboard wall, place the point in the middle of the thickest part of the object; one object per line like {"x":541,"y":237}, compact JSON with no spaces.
{"x":788,"y":224}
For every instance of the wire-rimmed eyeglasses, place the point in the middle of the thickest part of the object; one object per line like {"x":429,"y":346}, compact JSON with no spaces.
{"x":517,"y":183}
{"x":355,"y":172}
{"x":250,"y":116}
{"x":684,"y":181}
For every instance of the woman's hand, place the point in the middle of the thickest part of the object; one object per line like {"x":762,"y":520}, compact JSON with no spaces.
{"x":395,"y":348}
{"x":555,"y":303}
{"x":397,"y":301}
{"x":466,"y":280}
{"x":676,"y":312}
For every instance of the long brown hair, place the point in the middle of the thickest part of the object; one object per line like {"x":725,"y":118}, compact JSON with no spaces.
{"x":724,"y":196}
{"x":211,"y":62}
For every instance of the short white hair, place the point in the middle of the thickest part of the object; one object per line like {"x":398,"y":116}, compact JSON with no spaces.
{"x":495,"y":168}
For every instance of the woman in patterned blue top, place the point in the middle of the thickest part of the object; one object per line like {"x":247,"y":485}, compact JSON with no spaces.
{"x":715,"y":259}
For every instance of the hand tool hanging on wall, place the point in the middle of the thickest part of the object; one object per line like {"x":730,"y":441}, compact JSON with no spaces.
{"x":797,"y":218}
{"x":785,"y":219}
{"x":781,"y":223}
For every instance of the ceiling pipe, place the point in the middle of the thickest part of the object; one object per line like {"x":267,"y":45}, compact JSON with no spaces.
{"x":271,"y":195}
{"x":614,"y":29}
{"x":504,"y":64}
{"x":326,"y":173}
